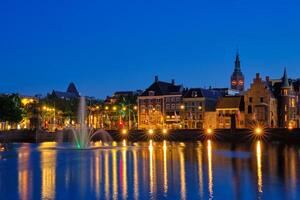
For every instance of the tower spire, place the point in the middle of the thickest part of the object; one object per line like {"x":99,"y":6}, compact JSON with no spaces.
{"x":237,"y":63}
{"x":285,"y":80}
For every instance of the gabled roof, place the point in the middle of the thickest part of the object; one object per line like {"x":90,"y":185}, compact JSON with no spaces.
{"x":71,"y":92}
{"x":163,"y":88}
{"x":72,"y":89}
{"x":231,"y":102}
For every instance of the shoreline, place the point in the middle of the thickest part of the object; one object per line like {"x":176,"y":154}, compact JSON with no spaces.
{"x":179,"y":135}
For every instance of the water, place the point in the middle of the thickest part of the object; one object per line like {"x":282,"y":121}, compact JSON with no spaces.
{"x":82,"y":135}
{"x":150,"y":170}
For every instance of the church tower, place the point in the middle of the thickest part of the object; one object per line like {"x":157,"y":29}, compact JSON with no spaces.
{"x":237,"y":78}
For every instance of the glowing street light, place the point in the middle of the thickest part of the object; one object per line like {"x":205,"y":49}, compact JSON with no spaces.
{"x":182,"y":107}
{"x":209,"y":131}
{"x":151,"y":132}
{"x":165,"y":131}
{"x":258,"y":131}
{"x":124,"y":131}
{"x":114,"y":108}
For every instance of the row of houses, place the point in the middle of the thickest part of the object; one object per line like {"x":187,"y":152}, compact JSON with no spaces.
{"x":270,"y":102}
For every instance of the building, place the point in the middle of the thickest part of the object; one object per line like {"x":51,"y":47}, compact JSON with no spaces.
{"x":287,"y":93}
{"x":197,"y":103}
{"x":230,"y":112}
{"x":237,"y":79}
{"x":71,"y":93}
{"x":260,"y":103}
{"x":159,"y":105}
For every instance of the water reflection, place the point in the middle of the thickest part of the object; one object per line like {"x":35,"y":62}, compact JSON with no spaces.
{"x":48,"y":169}
{"x":135,"y":175}
{"x":115,"y":175}
{"x":124,"y":170}
{"x":200,"y":169}
{"x":259,"y":167}
{"x":152,"y":170}
{"x":165,"y":164}
{"x":25,"y":173}
{"x":210,"y":170}
{"x":182,"y":174}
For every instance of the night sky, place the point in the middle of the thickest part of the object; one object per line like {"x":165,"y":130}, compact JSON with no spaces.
{"x":104,"y":46}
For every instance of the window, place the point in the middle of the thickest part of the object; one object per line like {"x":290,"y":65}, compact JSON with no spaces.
{"x":167,"y":99}
{"x":249,"y":109}
{"x":168,"y":106}
{"x":158,"y":100}
{"x":157,"y":107}
{"x":194,"y":94}
{"x":172,"y":99}
{"x":151,"y":93}
{"x":261,"y":99}
{"x":250,"y":99}
{"x":177,"y":99}
{"x":293,"y":103}
{"x":173,"y":106}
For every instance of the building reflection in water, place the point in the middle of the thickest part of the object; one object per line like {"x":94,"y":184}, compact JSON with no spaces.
{"x":165,"y":166}
{"x":98,"y":166}
{"x":152,"y":170}
{"x":259,"y":167}
{"x":182,"y":173}
{"x":114,"y":174}
{"x":124,"y":170}
{"x":210,"y":170}
{"x":48,"y":169}
{"x":135,"y":175}
{"x":24,"y":173}
{"x":200,"y":169}
{"x":106,"y":175}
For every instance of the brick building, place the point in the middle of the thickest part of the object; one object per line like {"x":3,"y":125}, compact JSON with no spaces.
{"x":197,"y":103}
{"x":159,"y":105}
{"x":260,"y":103}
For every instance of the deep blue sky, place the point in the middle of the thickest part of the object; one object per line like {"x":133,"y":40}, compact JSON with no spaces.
{"x":104,"y":46}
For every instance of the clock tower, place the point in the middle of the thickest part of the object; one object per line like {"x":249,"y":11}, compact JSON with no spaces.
{"x":237,"y":77}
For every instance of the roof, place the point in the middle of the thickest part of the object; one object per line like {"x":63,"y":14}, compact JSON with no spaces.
{"x":163,"y":88}
{"x":231,"y":102}
{"x":200,"y":92}
{"x":285,"y":80}
{"x":72,"y":89}
{"x":65,"y":95}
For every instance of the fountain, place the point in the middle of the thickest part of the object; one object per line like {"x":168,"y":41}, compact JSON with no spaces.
{"x":82,"y":135}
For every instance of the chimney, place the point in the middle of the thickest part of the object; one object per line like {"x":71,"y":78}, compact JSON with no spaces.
{"x":156,"y":79}
{"x":173,"y":81}
{"x":268,"y":79}
{"x":257,"y":75}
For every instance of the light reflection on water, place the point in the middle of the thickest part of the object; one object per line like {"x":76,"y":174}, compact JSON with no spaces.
{"x":151,"y":170}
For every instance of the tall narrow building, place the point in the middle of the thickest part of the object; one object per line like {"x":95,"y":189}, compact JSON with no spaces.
{"x":237,"y":77}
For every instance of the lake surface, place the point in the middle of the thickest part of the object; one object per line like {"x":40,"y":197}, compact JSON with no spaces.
{"x":150,"y":170}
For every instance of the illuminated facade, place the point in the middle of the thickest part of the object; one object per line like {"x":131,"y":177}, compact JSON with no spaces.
{"x":230,"y":112}
{"x":159,"y":105}
{"x":260,"y":104}
{"x":287,"y":93}
{"x":197,"y":103}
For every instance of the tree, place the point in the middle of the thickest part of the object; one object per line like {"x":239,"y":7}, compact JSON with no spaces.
{"x":10,"y":108}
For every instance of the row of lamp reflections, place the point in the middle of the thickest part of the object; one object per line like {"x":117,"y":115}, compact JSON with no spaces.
{"x":258,"y":131}
{"x":150,"y":132}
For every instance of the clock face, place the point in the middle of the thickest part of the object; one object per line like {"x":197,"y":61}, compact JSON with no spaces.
{"x":241,"y":82}
{"x":234,"y":82}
